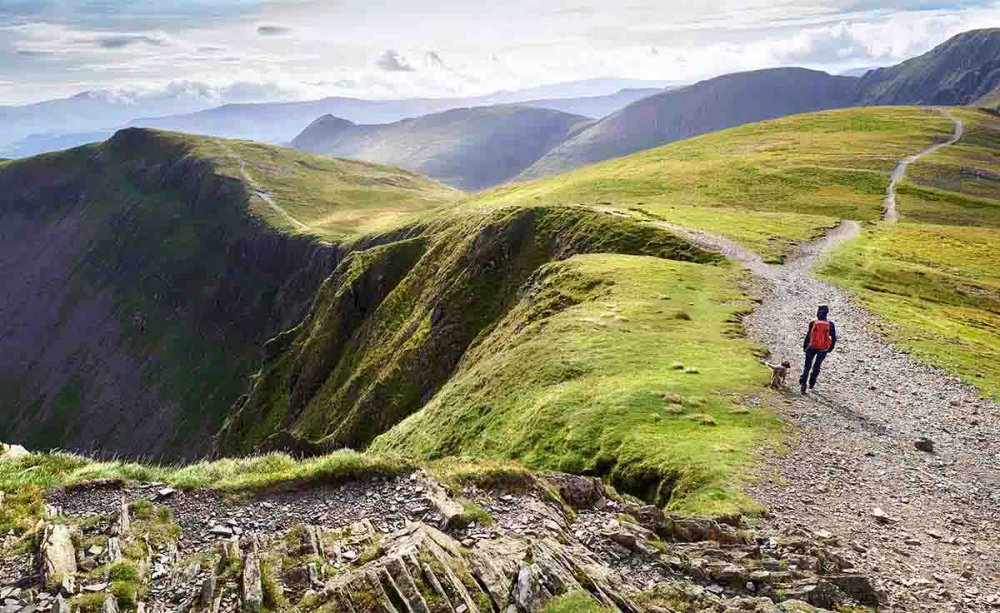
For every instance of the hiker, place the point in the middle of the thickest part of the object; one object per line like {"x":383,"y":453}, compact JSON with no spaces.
{"x":820,"y":340}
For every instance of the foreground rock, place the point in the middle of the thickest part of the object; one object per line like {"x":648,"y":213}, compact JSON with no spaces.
{"x":399,"y":545}
{"x":58,"y":556}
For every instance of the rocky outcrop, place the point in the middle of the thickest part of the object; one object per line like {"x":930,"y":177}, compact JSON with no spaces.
{"x":376,"y":545}
{"x":422,"y":565}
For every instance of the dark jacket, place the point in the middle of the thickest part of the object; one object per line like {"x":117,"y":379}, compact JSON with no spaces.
{"x":833,"y":336}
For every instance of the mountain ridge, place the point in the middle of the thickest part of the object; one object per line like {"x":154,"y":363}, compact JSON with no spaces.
{"x":469,"y":148}
{"x":706,"y":106}
{"x":958,"y":71}
{"x":141,"y":278}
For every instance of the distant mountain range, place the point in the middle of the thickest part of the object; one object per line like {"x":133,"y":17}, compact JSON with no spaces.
{"x":280,"y":122}
{"x":711,"y":105}
{"x":94,"y":116}
{"x":475,"y":150}
{"x":960,"y":71}
{"x":468,"y":148}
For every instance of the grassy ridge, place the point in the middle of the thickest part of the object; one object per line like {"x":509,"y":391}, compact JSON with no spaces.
{"x":767,"y":185}
{"x":627,"y":367}
{"x":159,"y":286}
{"x":389,"y":327}
{"x":334,"y":199}
{"x":932,"y":275}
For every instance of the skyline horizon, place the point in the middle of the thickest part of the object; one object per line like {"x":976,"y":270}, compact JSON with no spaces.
{"x":266,"y":52}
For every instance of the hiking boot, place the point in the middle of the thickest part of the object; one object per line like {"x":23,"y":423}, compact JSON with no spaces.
{"x":803,"y":389}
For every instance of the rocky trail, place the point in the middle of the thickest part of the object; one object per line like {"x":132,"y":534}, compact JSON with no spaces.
{"x":897,"y":459}
{"x":406,"y":544}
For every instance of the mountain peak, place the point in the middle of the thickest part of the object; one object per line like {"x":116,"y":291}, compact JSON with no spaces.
{"x":959,"y":71}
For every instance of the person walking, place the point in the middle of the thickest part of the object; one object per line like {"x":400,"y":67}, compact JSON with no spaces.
{"x":821,"y":338}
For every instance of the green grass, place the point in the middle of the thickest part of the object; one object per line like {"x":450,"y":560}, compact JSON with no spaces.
{"x":164,"y":225}
{"x":584,"y":388}
{"x":959,"y":184}
{"x":939,"y":288}
{"x":335,"y":199}
{"x":391,"y":325}
{"x":575,"y":602}
{"x":932,"y":276}
{"x":27,"y":479}
{"x":767,"y":185}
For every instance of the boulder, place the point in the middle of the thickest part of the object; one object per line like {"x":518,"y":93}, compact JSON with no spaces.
{"x":60,"y":605}
{"x":857,"y":586}
{"x":114,"y":549}
{"x":683,"y":530}
{"x":58,"y":555}
{"x":207,"y":594}
{"x":124,"y":523}
{"x":579,"y":492}
{"x":12,"y":452}
{"x":451,"y":512}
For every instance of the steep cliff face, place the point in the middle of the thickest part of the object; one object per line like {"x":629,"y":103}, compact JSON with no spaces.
{"x":136,"y":292}
{"x":392,"y":323}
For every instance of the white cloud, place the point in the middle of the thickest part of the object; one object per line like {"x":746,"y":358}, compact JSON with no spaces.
{"x":400,"y":48}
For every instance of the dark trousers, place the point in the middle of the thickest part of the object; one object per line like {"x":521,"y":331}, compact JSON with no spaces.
{"x":814,"y":361}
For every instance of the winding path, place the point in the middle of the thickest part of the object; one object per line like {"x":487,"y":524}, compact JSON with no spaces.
{"x":259,"y":191}
{"x":937,"y":547}
{"x":899,"y":173}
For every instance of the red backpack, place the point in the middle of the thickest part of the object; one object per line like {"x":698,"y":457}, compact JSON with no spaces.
{"x":819,"y":337}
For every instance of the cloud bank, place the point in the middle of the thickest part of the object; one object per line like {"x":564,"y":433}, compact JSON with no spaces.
{"x":311,"y":48}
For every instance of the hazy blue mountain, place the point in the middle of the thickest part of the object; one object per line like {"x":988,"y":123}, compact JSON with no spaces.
{"x":90,"y":112}
{"x":469,"y":148}
{"x":707,"y":106}
{"x":280,"y":122}
{"x":43,"y":143}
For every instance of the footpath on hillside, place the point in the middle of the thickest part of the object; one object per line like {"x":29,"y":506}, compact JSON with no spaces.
{"x":259,"y":191}
{"x":924,"y":524}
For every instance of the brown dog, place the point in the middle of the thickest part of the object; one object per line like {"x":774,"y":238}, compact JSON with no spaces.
{"x":778,"y":374}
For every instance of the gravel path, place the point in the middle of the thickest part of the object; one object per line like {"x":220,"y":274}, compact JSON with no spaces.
{"x":925,"y":525}
{"x":899,"y":173}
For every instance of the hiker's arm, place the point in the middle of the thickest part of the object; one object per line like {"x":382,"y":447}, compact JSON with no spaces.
{"x":833,"y":336}
{"x":805,"y":341}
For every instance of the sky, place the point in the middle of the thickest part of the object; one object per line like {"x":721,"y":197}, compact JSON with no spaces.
{"x":256,"y":50}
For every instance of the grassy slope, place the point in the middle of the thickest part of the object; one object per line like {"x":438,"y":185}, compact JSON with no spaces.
{"x":990,"y":100}
{"x":625,"y":366}
{"x":596,"y":408}
{"x":165,"y":232}
{"x":767,"y":185}
{"x":578,"y":370}
{"x":932,"y":275}
{"x":335,"y":199}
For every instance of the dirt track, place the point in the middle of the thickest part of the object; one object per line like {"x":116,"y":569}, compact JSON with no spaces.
{"x":938,"y":546}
